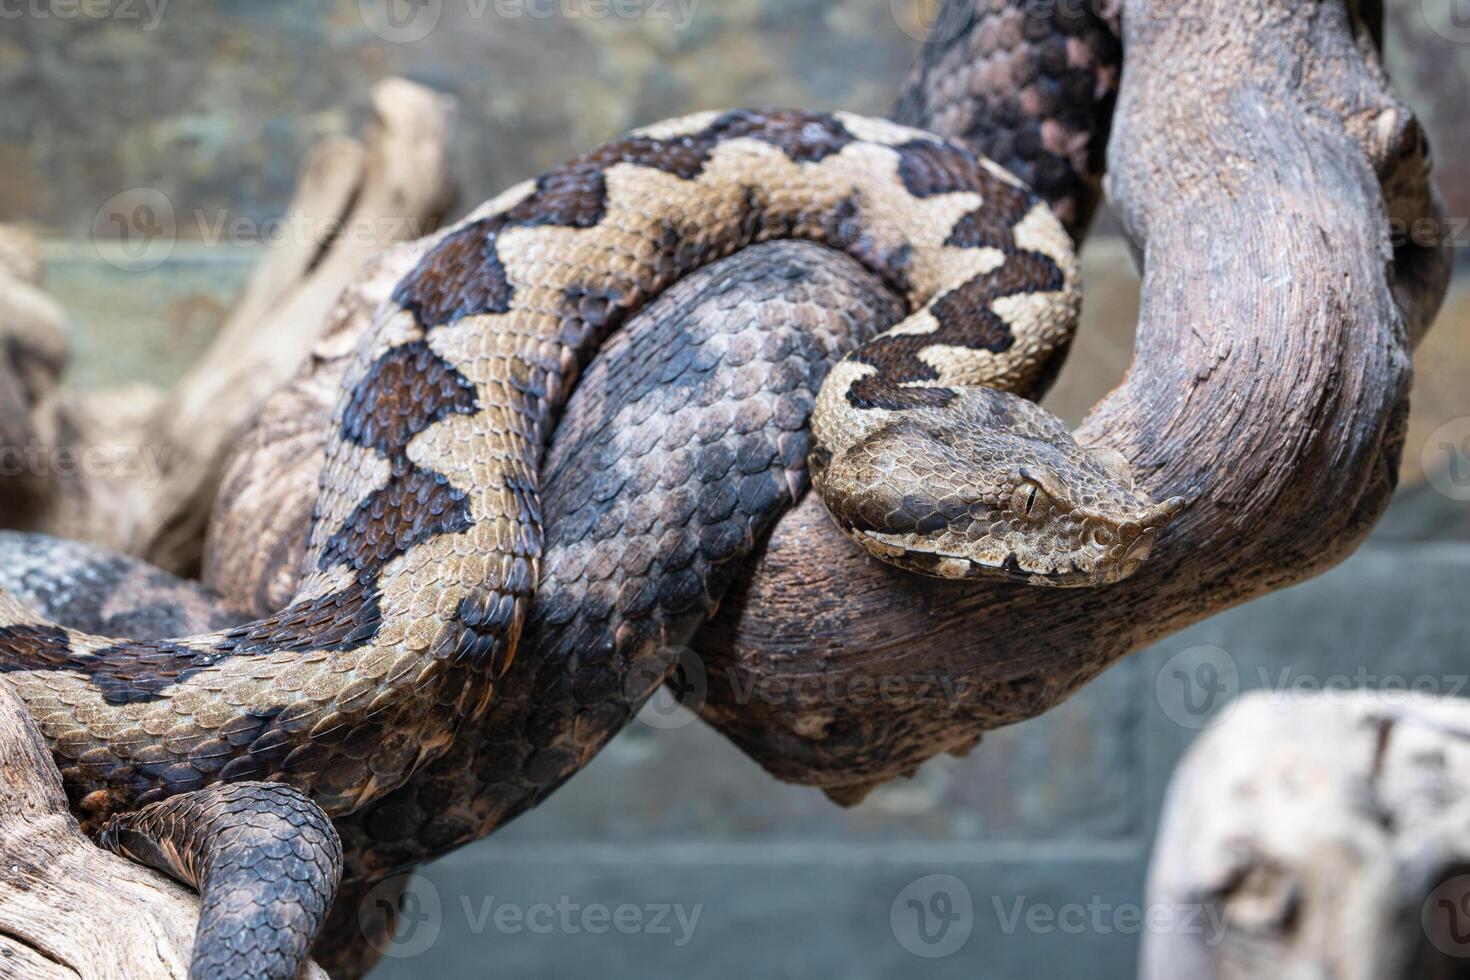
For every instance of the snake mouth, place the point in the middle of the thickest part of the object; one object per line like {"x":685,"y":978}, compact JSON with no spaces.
{"x":1071,"y":578}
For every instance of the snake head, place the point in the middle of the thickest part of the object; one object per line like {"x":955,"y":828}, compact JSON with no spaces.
{"x":992,"y":486}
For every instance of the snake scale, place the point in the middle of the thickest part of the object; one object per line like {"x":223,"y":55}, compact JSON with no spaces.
{"x":424,"y":553}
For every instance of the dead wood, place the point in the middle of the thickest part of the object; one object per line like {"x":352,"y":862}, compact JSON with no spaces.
{"x":69,"y":909}
{"x":1323,"y":838}
{"x":352,"y":200}
{"x":1258,"y":153}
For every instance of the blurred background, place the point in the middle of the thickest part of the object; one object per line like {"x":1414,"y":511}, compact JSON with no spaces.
{"x":705,"y":866}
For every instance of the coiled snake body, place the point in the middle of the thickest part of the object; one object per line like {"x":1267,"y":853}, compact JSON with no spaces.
{"x":426,"y":538}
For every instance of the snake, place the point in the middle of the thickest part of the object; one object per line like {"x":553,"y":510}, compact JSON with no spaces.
{"x":426,"y":539}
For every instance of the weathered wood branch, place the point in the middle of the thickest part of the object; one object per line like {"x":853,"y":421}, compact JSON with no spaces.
{"x":33,"y":351}
{"x":69,"y":909}
{"x":1257,"y":156}
{"x":352,"y":200}
{"x":1319,"y":838}
{"x":356,"y":200}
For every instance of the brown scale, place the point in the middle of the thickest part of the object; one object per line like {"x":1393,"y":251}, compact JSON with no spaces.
{"x":463,"y":276}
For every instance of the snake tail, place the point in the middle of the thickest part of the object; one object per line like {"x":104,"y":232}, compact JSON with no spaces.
{"x":265,"y":861}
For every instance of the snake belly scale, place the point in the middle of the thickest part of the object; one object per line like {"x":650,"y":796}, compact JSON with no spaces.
{"x":426,"y":536}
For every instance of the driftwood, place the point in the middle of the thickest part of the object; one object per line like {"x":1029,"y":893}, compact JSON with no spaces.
{"x":352,"y":200}
{"x":257,"y":533}
{"x":1322,"y":839}
{"x":33,"y":352}
{"x":1256,"y":157}
{"x":69,"y":909}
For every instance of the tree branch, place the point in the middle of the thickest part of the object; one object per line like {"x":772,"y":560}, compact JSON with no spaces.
{"x":352,"y":201}
{"x":68,"y":908}
{"x":1257,"y":156}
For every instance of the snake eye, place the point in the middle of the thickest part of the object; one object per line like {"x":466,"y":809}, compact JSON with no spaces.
{"x":1102,"y":536}
{"x":1029,"y":500}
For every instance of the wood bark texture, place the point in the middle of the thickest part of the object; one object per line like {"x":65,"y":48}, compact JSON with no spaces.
{"x":1326,"y":838}
{"x":69,"y":909}
{"x":352,"y":200}
{"x":1257,"y":155}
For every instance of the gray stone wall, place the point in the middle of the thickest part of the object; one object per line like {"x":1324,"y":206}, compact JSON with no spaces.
{"x":1044,"y":831}
{"x":213,"y":102}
